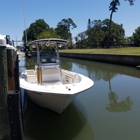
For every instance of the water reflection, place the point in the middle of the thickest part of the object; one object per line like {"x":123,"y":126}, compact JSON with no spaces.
{"x":115,"y":106}
{"x":44,"y":124}
{"x":66,"y":64}
{"x":101,"y":71}
{"x":98,"y":71}
{"x":27,"y":63}
{"x":110,"y":107}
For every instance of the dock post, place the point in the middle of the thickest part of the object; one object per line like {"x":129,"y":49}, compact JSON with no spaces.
{"x":16,"y":71}
{"x":4,"y":117}
{"x":11,"y":56}
{"x":13,"y":97}
{"x":15,"y":117}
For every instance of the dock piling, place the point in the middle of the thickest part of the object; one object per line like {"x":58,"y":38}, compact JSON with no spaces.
{"x":4,"y":117}
{"x":10,"y":107}
{"x":15,"y":115}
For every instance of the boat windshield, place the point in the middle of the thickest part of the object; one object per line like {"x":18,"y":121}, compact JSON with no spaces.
{"x":48,"y":57}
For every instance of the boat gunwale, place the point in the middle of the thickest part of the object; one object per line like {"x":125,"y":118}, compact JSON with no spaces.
{"x":51,"y":88}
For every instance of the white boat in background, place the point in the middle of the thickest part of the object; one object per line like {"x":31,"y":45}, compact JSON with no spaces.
{"x":48,"y":85}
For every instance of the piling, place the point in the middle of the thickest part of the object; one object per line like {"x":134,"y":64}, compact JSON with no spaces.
{"x":4,"y":117}
{"x":16,"y":73}
{"x":15,"y":118}
{"x":10,"y":66}
{"x":14,"y":100}
{"x":10,"y":107}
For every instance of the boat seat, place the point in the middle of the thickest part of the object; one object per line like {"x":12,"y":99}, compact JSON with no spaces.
{"x":51,"y":74}
{"x":31,"y":76}
{"x":30,"y":72}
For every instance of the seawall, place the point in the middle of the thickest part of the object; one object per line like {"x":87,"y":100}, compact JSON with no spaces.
{"x":128,"y":60}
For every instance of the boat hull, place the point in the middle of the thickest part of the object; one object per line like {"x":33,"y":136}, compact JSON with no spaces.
{"x":55,"y":102}
{"x":58,"y":96}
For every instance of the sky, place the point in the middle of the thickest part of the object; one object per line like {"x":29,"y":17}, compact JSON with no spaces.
{"x":16,"y":15}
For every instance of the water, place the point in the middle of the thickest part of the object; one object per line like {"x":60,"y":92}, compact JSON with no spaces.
{"x":110,"y":110}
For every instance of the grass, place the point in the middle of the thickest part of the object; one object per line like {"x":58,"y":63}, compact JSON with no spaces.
{"x":126,"y":50}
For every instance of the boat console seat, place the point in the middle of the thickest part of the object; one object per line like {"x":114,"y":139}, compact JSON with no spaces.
{"x":51,"y":74}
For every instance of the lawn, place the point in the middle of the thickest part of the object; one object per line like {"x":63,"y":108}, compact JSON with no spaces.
{"x":126,"y":50}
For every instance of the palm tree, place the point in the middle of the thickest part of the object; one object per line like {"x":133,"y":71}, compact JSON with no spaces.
{"x":113,"y":8}
{"x":131,"y":2}
{"x":77,"y":41}
{"x":89,"y":24}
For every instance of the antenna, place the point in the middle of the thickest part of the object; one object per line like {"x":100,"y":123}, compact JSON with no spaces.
{"x":24,"y":22}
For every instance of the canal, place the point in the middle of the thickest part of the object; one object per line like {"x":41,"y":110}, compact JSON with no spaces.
{"x":110,"y":110}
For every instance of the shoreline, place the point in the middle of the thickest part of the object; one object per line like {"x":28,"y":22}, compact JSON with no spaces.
{"x":120,"y":59}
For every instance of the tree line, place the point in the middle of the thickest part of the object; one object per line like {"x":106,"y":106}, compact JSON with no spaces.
{"x":105,"y":33}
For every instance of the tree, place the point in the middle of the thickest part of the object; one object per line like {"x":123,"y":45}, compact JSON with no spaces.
{"x":98,"y":34}
{"x":35,"y":29}
{"x":95,"y":33}
{"x":62,"y":31}
{"x":89,"y":24}
{"x":50,"y":33}
{"x":117,"y":33}
{"x":82,"y":37}
{"x":77,"y":41}
{"x":113,"y":8}
{"x":136,"y":36}
{"x":129,"y":41}
{"x":131,"y":2}
{"x":63,"y":28}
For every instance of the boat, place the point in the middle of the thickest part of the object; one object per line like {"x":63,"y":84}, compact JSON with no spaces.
{"x":48,"y":85}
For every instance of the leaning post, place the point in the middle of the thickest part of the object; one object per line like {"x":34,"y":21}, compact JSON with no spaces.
{"x":4,"y":118}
